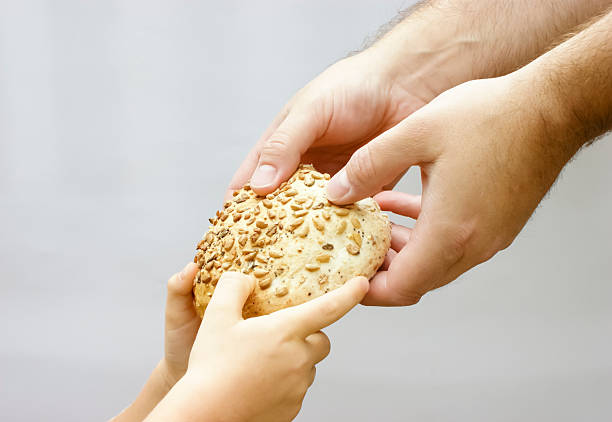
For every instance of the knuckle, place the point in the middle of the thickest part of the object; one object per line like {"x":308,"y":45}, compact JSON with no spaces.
{"x":504,"y":243}
{"x":457,"y":241}
{"x":361,"y":169}
{"x":326,"y":342}
{"x":408,"y":295}
{"x":419,"y":128}
{"x":278,"y":146}
{"x":487,"y":254}
{"x":326,"y":347}
{"x":410,"y":298}
{"x":491,"y":248}
{"x":418,"y":137}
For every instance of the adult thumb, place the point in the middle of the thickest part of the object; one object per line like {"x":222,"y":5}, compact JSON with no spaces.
{"x":380,"y":162}
{"x":280,"y":154}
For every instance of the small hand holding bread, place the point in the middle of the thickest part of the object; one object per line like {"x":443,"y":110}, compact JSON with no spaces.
{"x":295,"y":243}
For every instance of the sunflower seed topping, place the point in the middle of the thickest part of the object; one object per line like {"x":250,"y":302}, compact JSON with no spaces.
{"x":323,"y":257}
{"x":281,"y":291}
{"x":264,"y":283}
{"x":352,"y":249}
{"x":260,"y":272}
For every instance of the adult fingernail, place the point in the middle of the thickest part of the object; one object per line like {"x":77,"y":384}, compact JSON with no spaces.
{"x":264,"y":175}
{"x":338,"y":187}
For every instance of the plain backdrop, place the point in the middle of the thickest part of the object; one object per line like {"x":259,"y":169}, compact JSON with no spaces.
{"x":121,"y":123}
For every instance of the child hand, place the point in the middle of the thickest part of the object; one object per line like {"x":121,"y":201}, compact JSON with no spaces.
{"x":257,"y":369}
{"x":182,"y":323}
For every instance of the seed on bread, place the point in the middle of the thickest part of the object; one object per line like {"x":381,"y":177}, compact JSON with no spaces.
{"x":275,"y":254}
{"x":204,"y":276}
{"x":352,"y":249}
{"x":281,"y":291}
{"x":264,"y":283}
{"x":312,"y":267}
{"x":296,"y":223}
{"x":318,"y":223}
{"x":323,"y":257}
{"x":270,"y":239}
{"x":228,"y":242}
{"x":303,"y":230}
{"x":260,"y":272}
{"x":341,"y":227}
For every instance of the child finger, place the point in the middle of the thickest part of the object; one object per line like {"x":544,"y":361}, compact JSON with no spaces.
{"x":318,"y":345}
{"x":229,"y":297}
{"x":179,"y":290}
{"x":317,"y":314}
{"x":182,"y":282}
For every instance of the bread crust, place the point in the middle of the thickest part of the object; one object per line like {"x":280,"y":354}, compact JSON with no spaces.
{"x":295,"y":243}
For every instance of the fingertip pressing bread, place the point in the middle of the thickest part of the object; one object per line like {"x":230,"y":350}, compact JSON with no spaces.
{"x":295,"y":243}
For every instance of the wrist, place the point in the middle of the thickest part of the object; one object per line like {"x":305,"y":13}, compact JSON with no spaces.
{"x":189,"y":399}
{"x":428,"y":55}
{"x":167,"y":375}
{"x":550,"y":107}
{"x":545,"y":123}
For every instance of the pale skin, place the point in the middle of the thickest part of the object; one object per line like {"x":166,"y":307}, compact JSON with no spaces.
{"x":488,"y":150}
{"x":229,"y":369}
{"x":181,"y":327}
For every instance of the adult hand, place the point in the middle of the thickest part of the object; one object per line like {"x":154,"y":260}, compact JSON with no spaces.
{"x":327,"y":120}
{"x":486,"y":161}
{"x":437,"y":46}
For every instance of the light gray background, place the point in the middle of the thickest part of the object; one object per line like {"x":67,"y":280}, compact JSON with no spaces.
{"x":121,"y":123}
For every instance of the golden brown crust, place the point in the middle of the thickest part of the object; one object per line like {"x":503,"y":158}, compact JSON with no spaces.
{"x":293,"y":241}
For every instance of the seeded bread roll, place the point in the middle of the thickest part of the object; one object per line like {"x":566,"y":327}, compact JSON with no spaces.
{"x":295,"y":243}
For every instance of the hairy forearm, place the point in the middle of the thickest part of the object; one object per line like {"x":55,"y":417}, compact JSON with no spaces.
{"x":571,"y":84}
{"x":442,"y":43}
